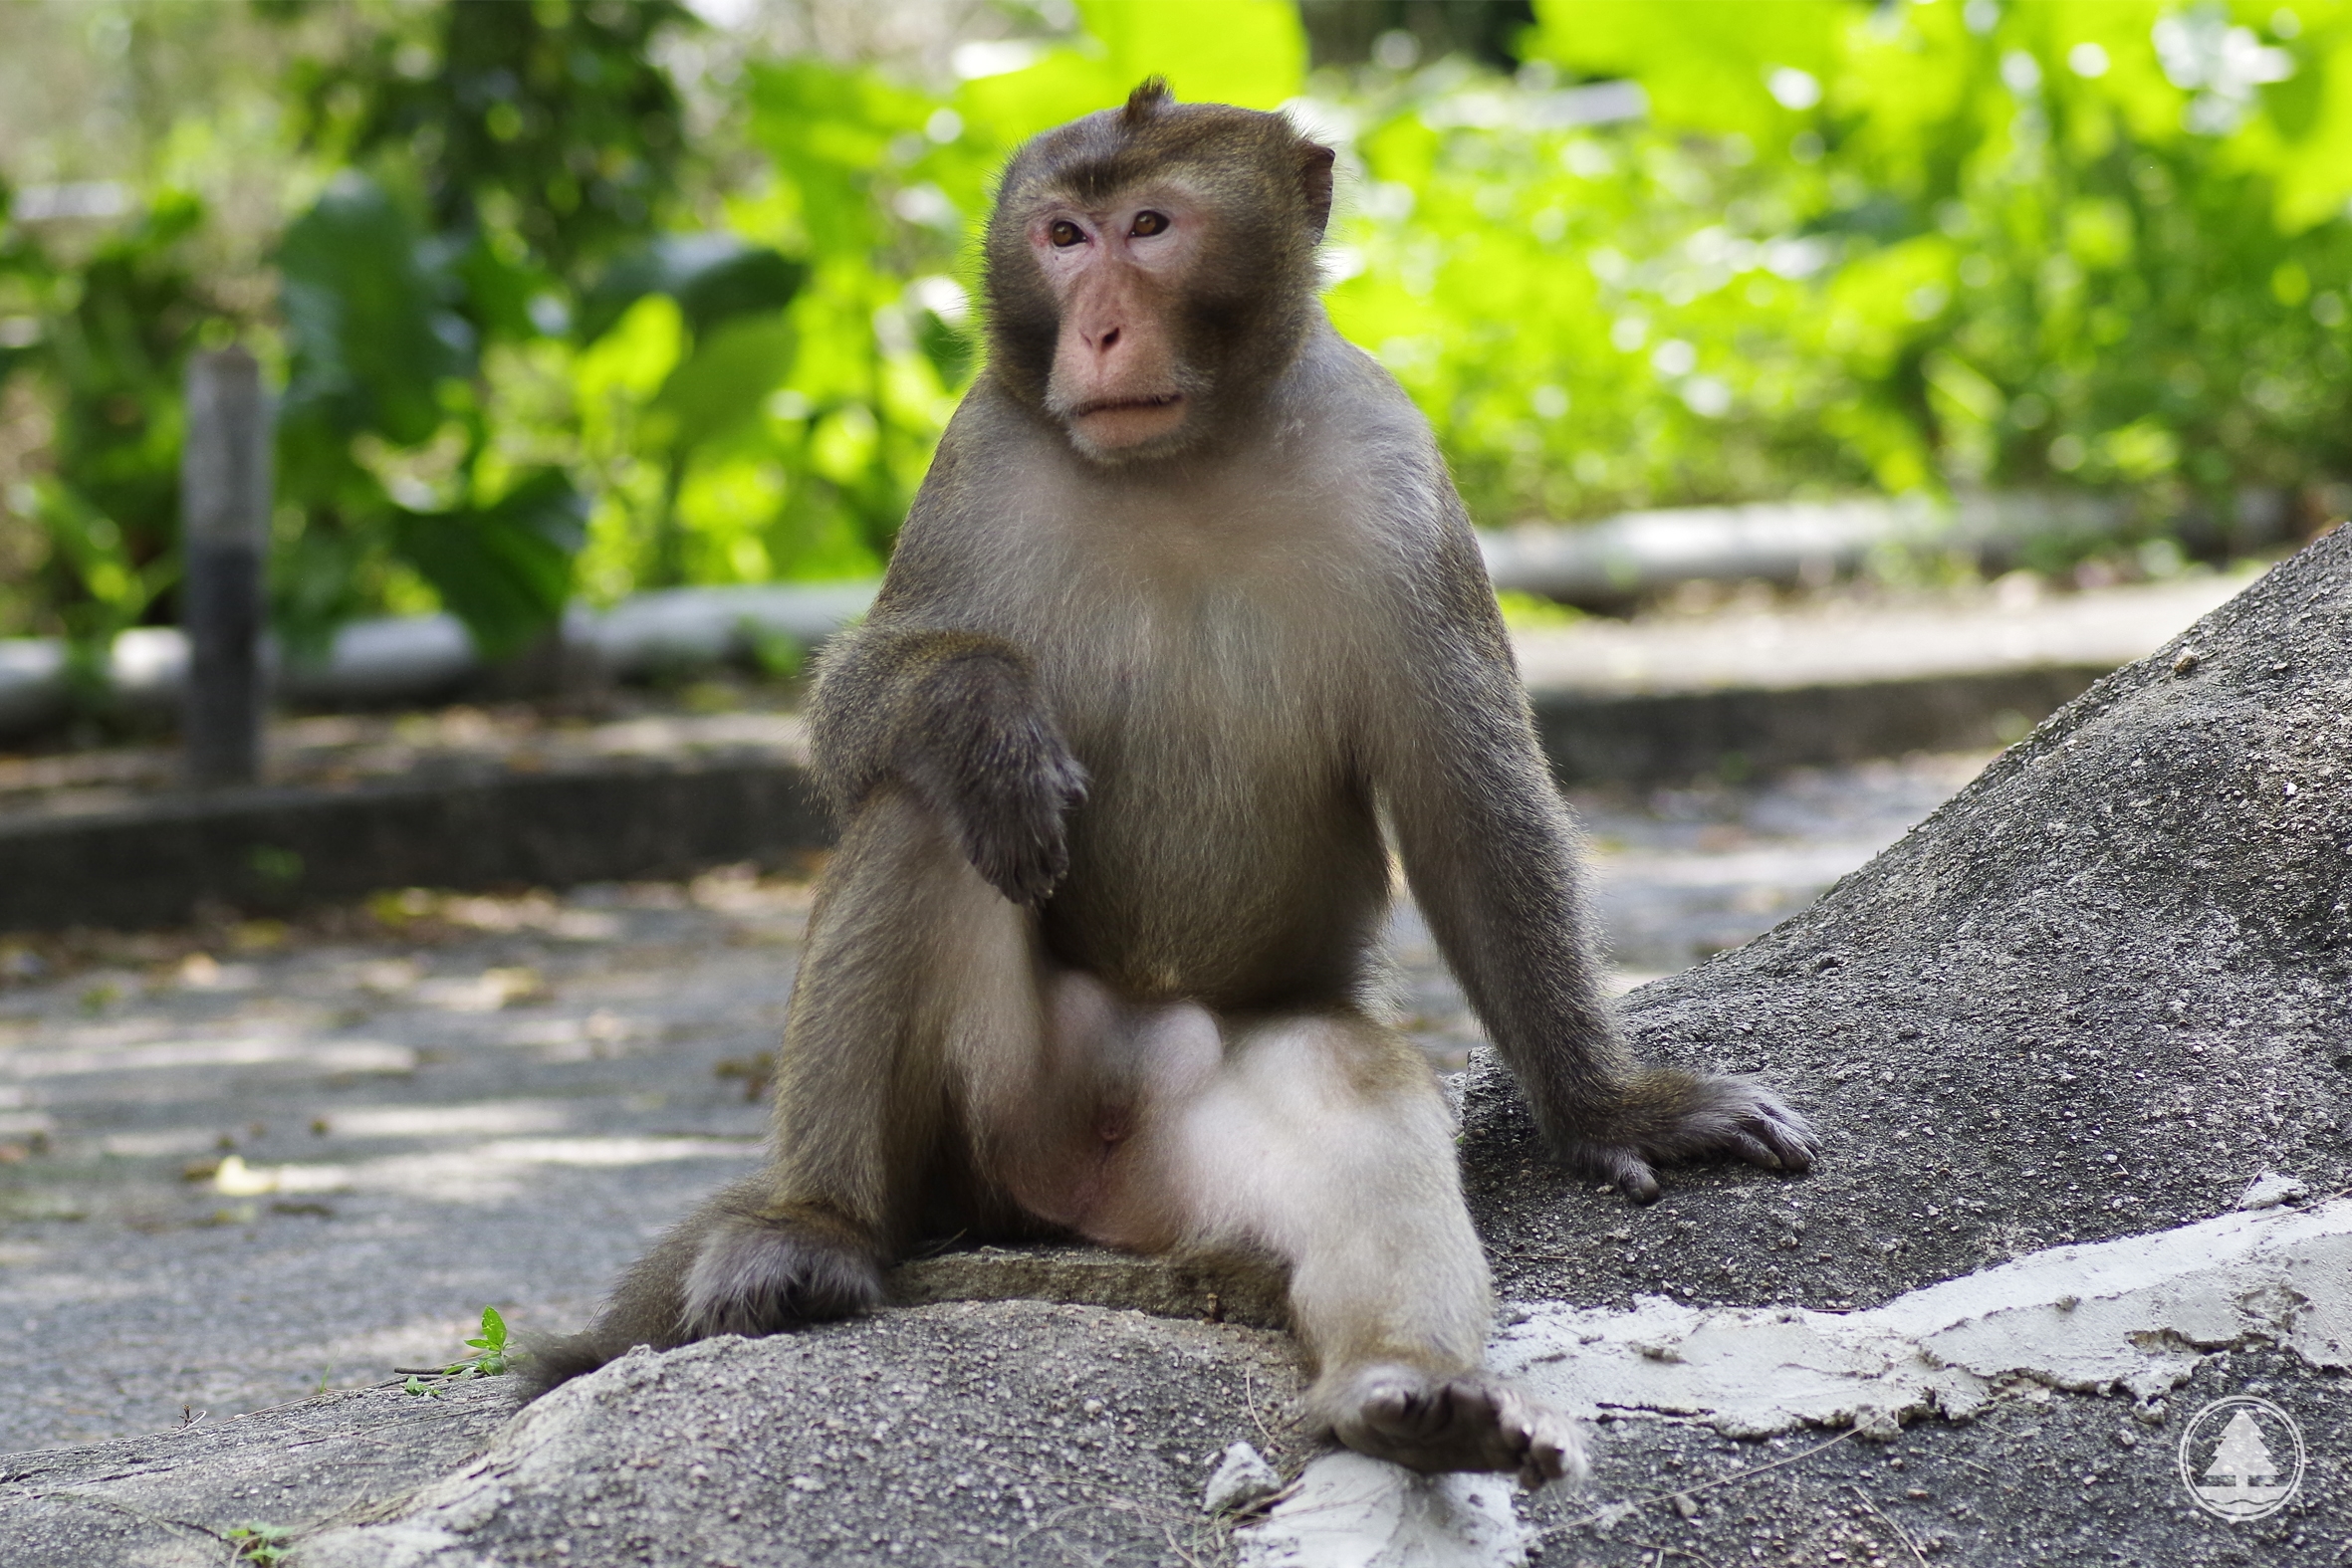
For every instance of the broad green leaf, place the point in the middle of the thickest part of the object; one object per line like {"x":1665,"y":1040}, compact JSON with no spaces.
{"x":1711,"y":64}
{"x":504,"y":570}
{"x":371,"y":335}
{"x":1246,"y":52}
{"x":722,"y":384}
{"x":713,"y":277}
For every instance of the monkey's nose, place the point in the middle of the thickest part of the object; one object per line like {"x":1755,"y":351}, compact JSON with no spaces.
{"x":1103,"y":344}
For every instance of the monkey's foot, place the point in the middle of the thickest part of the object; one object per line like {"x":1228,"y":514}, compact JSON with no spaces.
{"x":1467,"y":1422}
{"x":1670,"y":1114}
{"x":757,"y":1273}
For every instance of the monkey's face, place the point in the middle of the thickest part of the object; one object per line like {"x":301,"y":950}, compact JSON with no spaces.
{"x":1120,"y":382}
{"x":1150,"y":271}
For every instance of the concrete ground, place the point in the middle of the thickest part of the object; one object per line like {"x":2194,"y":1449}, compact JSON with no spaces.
{"x":246,"y":1162}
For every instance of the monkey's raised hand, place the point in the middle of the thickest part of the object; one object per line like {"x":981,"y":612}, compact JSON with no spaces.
{"x":958,"y":718}
{"x":999,"y":771}
{"x":1670,"y":1114}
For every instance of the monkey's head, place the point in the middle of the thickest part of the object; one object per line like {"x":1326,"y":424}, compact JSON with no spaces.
{"x":1151,"y":269}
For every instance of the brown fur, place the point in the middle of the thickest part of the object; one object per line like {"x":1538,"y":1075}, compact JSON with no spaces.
{"x":1114,"y":752}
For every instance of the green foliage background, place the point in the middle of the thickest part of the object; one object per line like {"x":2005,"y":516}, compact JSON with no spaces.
{"x":542,"y":339}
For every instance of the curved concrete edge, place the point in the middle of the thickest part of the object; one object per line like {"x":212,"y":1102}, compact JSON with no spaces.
{"x":1618,"y":557}
{"x":2133,"y":1315}
{"x":270,"y":849}
{"x":411,"y":657}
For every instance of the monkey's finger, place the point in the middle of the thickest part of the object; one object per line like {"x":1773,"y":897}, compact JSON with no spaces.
{"x":1789,"y":1136}
{"x":1754,"y":1150}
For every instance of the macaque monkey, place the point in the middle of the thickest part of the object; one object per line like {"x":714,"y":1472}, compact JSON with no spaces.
{"x":1185,"y":630}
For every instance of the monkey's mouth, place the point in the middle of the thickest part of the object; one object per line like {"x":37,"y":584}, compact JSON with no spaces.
{"x":1127,"y":405}
{"x":1111,"y":427}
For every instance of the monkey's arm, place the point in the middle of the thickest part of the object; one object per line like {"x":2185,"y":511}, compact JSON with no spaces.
{"x":1493,"y":858}
{"x":958,"y":718}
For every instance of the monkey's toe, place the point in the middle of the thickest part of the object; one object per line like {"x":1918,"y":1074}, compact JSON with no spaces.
{"x":1623,"y":1168}
{"x":1764,"y":1130}
{"x":1469,"y":1423}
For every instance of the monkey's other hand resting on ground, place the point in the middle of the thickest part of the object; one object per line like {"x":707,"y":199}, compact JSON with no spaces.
{"x":1429,"y":1422}
{"x":1673,"y":1115}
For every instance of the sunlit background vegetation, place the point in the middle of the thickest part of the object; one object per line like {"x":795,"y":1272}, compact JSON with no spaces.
{"x":571,"y":300}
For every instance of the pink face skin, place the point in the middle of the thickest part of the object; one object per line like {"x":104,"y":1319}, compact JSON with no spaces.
{"x":1117,"y":272}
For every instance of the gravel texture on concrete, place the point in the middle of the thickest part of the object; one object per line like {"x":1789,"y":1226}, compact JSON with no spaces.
{"x":999,"y":1431}
{"x":178,"y":1496}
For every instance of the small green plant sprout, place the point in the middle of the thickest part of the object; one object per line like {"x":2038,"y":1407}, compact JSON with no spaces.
{"x":488,"y":1357}
{"x":259,"y":1544}
{"x":489,"y":1360}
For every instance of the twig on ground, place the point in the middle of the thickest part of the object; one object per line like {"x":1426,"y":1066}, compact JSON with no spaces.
{"x":1665,"y":1551}
{"x":1249,"y":1397}
{"x":1901,"y":1534}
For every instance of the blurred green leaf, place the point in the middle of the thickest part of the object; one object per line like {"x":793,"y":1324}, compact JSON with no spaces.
{"x":503,"y":570}
{"x":721,"y":385}
{"x":367,"y":316}
{"x":713,"y":277}
{"x":1246,"y":52}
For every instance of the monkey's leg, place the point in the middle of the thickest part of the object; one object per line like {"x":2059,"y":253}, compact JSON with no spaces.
{"x":912,"y":961}
{"x":1324,"y":1141}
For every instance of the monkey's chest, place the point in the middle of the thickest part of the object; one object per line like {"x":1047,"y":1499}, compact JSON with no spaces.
{"x":1227,"y":850}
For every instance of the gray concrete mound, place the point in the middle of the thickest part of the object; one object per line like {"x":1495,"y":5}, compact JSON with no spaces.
{"x":997,"y":1431}
{"x":2102,"y":991}
{"x":2082,"y":1046}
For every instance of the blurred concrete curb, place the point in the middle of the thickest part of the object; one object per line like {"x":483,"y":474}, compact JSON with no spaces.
{"x":1641,"y":704}
{"x":159,"y":860}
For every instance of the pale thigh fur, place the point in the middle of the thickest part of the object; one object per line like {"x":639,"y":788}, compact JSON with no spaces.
{"x":1319,"y":1141}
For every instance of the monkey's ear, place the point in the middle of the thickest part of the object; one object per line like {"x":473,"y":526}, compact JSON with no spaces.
{"x":1314,"y":180}
{"x":1151,"y":95}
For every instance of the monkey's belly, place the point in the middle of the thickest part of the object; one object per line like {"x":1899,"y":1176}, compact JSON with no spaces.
{"x":1238,"y":916}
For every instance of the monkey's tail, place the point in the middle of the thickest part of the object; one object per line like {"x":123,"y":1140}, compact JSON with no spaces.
{"x":733,"y":1267}
{"x":549,"y":1361}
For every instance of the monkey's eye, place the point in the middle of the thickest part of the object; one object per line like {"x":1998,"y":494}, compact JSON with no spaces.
{"x":1147,"y":223}
{"x":1065,"y":234}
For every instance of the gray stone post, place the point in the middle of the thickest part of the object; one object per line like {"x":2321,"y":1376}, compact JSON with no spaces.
{"x":224,"y":480}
